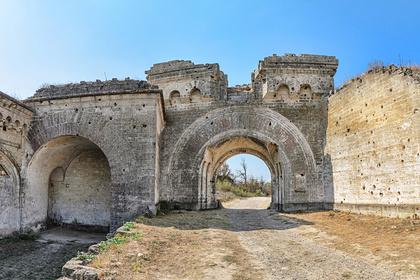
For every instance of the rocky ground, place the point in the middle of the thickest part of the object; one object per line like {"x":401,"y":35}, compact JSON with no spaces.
{"x":43,"y":257}
{"x":246,"y":241}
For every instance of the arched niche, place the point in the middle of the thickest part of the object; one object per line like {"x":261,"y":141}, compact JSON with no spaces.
{"x":174,"y":97}
{"x":282,"y":93}
{"x":195,"y":95}
{"x":69,"y":183}
{"x":305,"y":92}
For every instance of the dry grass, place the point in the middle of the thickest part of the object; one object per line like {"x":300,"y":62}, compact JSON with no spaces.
{"x":201,"y":245}
{"x":178,"y":246}
{"x":386,"y":241}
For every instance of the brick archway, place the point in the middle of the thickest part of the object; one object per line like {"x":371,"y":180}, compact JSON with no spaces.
{"x":301,"y":185}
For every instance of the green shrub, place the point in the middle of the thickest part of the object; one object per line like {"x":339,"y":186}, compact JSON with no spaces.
{"x":240,"y":190}
{"x":128,"y":225}
{"x":86,"y":257}
{"x":118,"y":240}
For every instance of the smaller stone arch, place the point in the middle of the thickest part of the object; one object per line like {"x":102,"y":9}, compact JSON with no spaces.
{"x":17,"y":124}
{"x":281,"y":92}
{"x":195,"y":95}
{"x":224,"y":146}
{"x":174,"y":97}
{"x":305,"y":92}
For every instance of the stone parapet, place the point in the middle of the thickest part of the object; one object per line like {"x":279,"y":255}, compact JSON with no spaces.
{"x":92,"y":88}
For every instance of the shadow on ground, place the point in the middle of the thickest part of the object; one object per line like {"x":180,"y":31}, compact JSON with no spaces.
{"x":226,"y":219}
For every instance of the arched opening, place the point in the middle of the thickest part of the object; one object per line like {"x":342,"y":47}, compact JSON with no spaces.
{"x":195,"y":95}
{"x":282,"y":146}
{"x":69,"y":182}
{"x":244,"y":176}
{"x":215,"y":157}
{"x":174,"y":97}
{"x":282,"y":92}
{"x":305,"y":92}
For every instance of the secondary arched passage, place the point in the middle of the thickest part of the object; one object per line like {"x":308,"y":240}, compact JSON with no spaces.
{"x":69,"y":183}
{"x":216,"y":154}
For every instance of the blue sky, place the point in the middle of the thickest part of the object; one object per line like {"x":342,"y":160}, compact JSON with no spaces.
{"x":68,"y":41}
{"x":256,"y":167}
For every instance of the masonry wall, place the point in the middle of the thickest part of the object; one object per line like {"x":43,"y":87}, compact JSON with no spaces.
{"x":373,"y":142}
{"x":308,"y":116}
{"x":14,"y":120}
{"x":122,"y":125}
{"x":293,"y":86}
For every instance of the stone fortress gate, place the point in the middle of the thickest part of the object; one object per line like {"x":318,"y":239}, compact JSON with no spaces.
{"x":96,"y":154}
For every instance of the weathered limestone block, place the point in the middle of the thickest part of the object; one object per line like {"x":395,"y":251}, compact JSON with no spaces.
{"x":76,"y":270}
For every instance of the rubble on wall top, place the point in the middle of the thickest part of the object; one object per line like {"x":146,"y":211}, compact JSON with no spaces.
{"x":413,"y":72}
{"x":240,"y":88}
{"x":299,"y":59}
{"x":14,"y":100}
{"x":177,"y":65}
{"x":91,"y":88}
{"x":304,"y":62}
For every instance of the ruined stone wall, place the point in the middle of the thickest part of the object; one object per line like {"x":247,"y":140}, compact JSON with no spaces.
{"x":309,"y":118}
{"x":374,"y":143}
{"x":121,"y":125}
{"x":301,"y":74}
{"x":100,"y":153}
{"x":183,"y":82}
{"x":14,"y":120}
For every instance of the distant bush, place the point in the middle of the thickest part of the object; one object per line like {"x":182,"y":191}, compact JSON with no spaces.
{"x":242,"y":190}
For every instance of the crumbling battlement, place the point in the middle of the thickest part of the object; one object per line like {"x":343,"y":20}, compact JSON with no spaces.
{"x":15,"y":116}
{"x":182,"y":68}
{"x":294,"y":78}
{"x":184,"y":82}
{"x":305,"y":62}
{"x":92,"y":88}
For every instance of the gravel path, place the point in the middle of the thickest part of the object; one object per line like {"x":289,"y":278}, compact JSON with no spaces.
{"x":278,"y":246}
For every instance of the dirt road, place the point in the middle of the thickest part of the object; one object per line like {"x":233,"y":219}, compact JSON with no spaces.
{"x":241,"y":241}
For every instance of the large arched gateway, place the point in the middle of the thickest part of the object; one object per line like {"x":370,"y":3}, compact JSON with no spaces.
{"x":206,"y":143}
{"x":96,"y":154}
